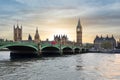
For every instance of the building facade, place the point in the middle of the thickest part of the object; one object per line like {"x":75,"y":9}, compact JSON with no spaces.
{"x":79,"y":33}
{"x":104,"y":43}
{"x":63,"y":39}
{"x":17,"y":33}
{"x":118,"y":44}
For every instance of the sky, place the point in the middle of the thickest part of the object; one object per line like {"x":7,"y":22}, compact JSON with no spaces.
{"x":52,"y":17}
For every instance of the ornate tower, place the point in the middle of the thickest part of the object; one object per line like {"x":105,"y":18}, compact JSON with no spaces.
{"x":37,"y":37}
{"x":17,"y":33}
{"x":79,"y":33}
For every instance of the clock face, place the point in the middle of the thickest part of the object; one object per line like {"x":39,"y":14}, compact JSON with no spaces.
{"x":78,"y":29}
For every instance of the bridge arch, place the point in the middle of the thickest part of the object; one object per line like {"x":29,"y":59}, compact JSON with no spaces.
{"x":67,"y":50}
{"x":20,"y":48}
{"x":77,"y":50}
{"x":50,"y":51}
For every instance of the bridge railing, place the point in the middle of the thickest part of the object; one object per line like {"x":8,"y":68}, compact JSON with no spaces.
{"x":17,"y":43}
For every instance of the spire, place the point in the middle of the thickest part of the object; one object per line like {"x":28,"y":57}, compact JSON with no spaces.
{"x":79,"y":21}
{"x":79,"y":24}
{"x":29,"y":37}
{"x":112,"y":36}
{"x":37,"y":38}
{"x":37,"y":30}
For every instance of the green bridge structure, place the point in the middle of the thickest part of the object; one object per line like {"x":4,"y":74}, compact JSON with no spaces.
{"x":42,"y":48}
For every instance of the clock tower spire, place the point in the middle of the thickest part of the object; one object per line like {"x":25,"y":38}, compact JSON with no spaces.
{"x":79,"y":33}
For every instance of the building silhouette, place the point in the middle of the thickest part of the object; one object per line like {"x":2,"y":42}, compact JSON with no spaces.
{"x":17,"y":33}
{"x":79,"y":33}
{"x":63,"y":39}
{"x":104,"y":43}
{"x":118,"y":44}
{"x":29,"y":38}
{"x":60,"y":39}
{"x":37,"y":37}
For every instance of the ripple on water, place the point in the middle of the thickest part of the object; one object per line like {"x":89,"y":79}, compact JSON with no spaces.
{"x":90,"y":66}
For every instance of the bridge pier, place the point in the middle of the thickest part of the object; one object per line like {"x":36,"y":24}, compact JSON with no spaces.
{"x":39,"y":52}
{"x":73,"y":51}
{"x":61,"y":52}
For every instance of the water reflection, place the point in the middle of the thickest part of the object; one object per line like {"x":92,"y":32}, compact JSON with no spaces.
{"x":112,"y":68}
{"x":90,"y":66}
{"x":4,"y":55}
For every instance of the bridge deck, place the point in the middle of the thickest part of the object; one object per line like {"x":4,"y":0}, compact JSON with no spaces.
{"x":41,"y":47}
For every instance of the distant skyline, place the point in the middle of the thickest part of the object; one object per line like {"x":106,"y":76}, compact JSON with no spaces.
{"x":98,"y":17}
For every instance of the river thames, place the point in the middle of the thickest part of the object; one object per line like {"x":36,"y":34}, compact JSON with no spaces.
{"x":89,"y":66}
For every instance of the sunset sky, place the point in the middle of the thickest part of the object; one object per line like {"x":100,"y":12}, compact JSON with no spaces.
{"x":98,"y":17}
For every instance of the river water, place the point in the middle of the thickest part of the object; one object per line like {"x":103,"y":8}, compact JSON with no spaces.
{"x":89,"y":66}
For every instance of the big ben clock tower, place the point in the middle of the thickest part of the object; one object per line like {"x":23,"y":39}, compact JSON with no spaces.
{"x":79,"y":33}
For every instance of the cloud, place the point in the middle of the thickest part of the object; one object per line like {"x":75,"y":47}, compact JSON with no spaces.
{"x":63,"y":14}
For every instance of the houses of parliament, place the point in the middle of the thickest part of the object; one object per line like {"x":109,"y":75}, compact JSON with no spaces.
{"x":18,"y":34}
{"x":58,"y":38}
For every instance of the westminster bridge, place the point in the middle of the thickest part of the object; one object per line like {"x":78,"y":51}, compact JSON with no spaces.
{"x":43,"y":48}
